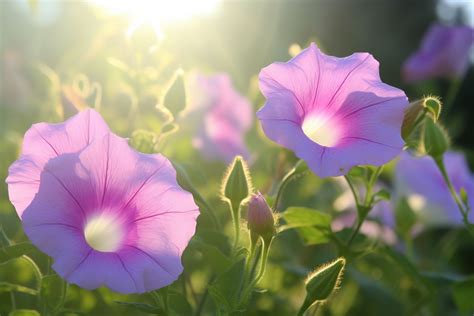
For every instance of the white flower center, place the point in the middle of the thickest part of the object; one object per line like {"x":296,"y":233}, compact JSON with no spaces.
{"x":104,"y":233}
{"x":322,"y":130}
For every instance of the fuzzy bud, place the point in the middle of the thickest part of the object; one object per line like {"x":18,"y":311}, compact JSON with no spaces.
{"x":261,"y":221}
{"x":322,"y":283}
{"x":236,"y":186}
{"x":435,"y":139}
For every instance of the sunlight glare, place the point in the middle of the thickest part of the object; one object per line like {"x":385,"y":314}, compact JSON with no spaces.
{"x":163,"y":10}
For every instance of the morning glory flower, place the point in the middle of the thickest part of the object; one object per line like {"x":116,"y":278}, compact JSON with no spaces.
{"x":223,"y":117}
{"x":444,"y":53}
{"x":421,"y":183}
{"x":334,"y":113}
{"x":107,"y":214}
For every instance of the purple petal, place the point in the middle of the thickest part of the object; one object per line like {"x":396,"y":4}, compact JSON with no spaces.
{"x":43,"y":142}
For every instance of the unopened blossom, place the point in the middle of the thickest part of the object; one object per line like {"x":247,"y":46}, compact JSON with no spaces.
{"x":334,"y":113}
{"x":443,"y":53}
{"x":261,"y":220}
{"x":419,"y":180}
{"x":222,"y":117}
{"x":106,"y":214}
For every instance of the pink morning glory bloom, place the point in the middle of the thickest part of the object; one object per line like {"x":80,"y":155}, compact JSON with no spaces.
{"x":444,"y":53}
{"x":222,"y":114}
{"x":334,"y":113}
{"x":43,"y":142}
{"x":419,"y":180}
{"x":109,"y":215}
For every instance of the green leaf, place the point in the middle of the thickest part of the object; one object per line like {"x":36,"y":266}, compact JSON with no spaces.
{"x":463,"y":293}
{"x":24,"y":312}
{"x":53,"y":292}
{"x":147,"y":308}
{"x":225,"y":289}
{"x":382,"y":195}
{"x":10,"y":287}
{"x":296,"y":217}
{"x":313,"y":226}
{"x":14,"y":251}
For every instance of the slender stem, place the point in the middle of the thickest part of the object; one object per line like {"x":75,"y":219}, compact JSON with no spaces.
{"x":261,"y":271}
{"x":355,"y":231}
{"x":351,"y":186}
{"x":362,"y":209}
{"x":463,"y":209}
{"x":235,"y":211}
{"x":36,"y":270}
{"x":281,"y":187}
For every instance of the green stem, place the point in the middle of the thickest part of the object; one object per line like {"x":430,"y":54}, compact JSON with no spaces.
{"x":284,"y":182}
{"x":352,"y":187}
{"x":463,"y":209}
{"x":362,"y":209}
{"x":235,"y":211}
{"x":261,"y":271}
{"x":36,"y":270}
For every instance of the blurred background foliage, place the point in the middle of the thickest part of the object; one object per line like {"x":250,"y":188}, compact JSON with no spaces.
{"x":60,"y":56}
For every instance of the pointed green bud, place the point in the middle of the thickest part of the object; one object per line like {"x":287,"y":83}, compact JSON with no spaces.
{"x":435,"y":139}
{"x":322,"y":283}
{"x":237,"y":185}
{"x":411,"y":114}
{"x":433,"y":105}
{"x":261,"y":220}
{"x":416,"y":110}
{"x":175,"y":98}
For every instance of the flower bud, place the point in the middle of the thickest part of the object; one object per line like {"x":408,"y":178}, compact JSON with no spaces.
{"x":411,"y":114}
{"x":261,"y":221}
{"x":435,"y":139}
{"x":236,"y":185}
{"x":429,"y":104}
{"x":322,"y":283}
